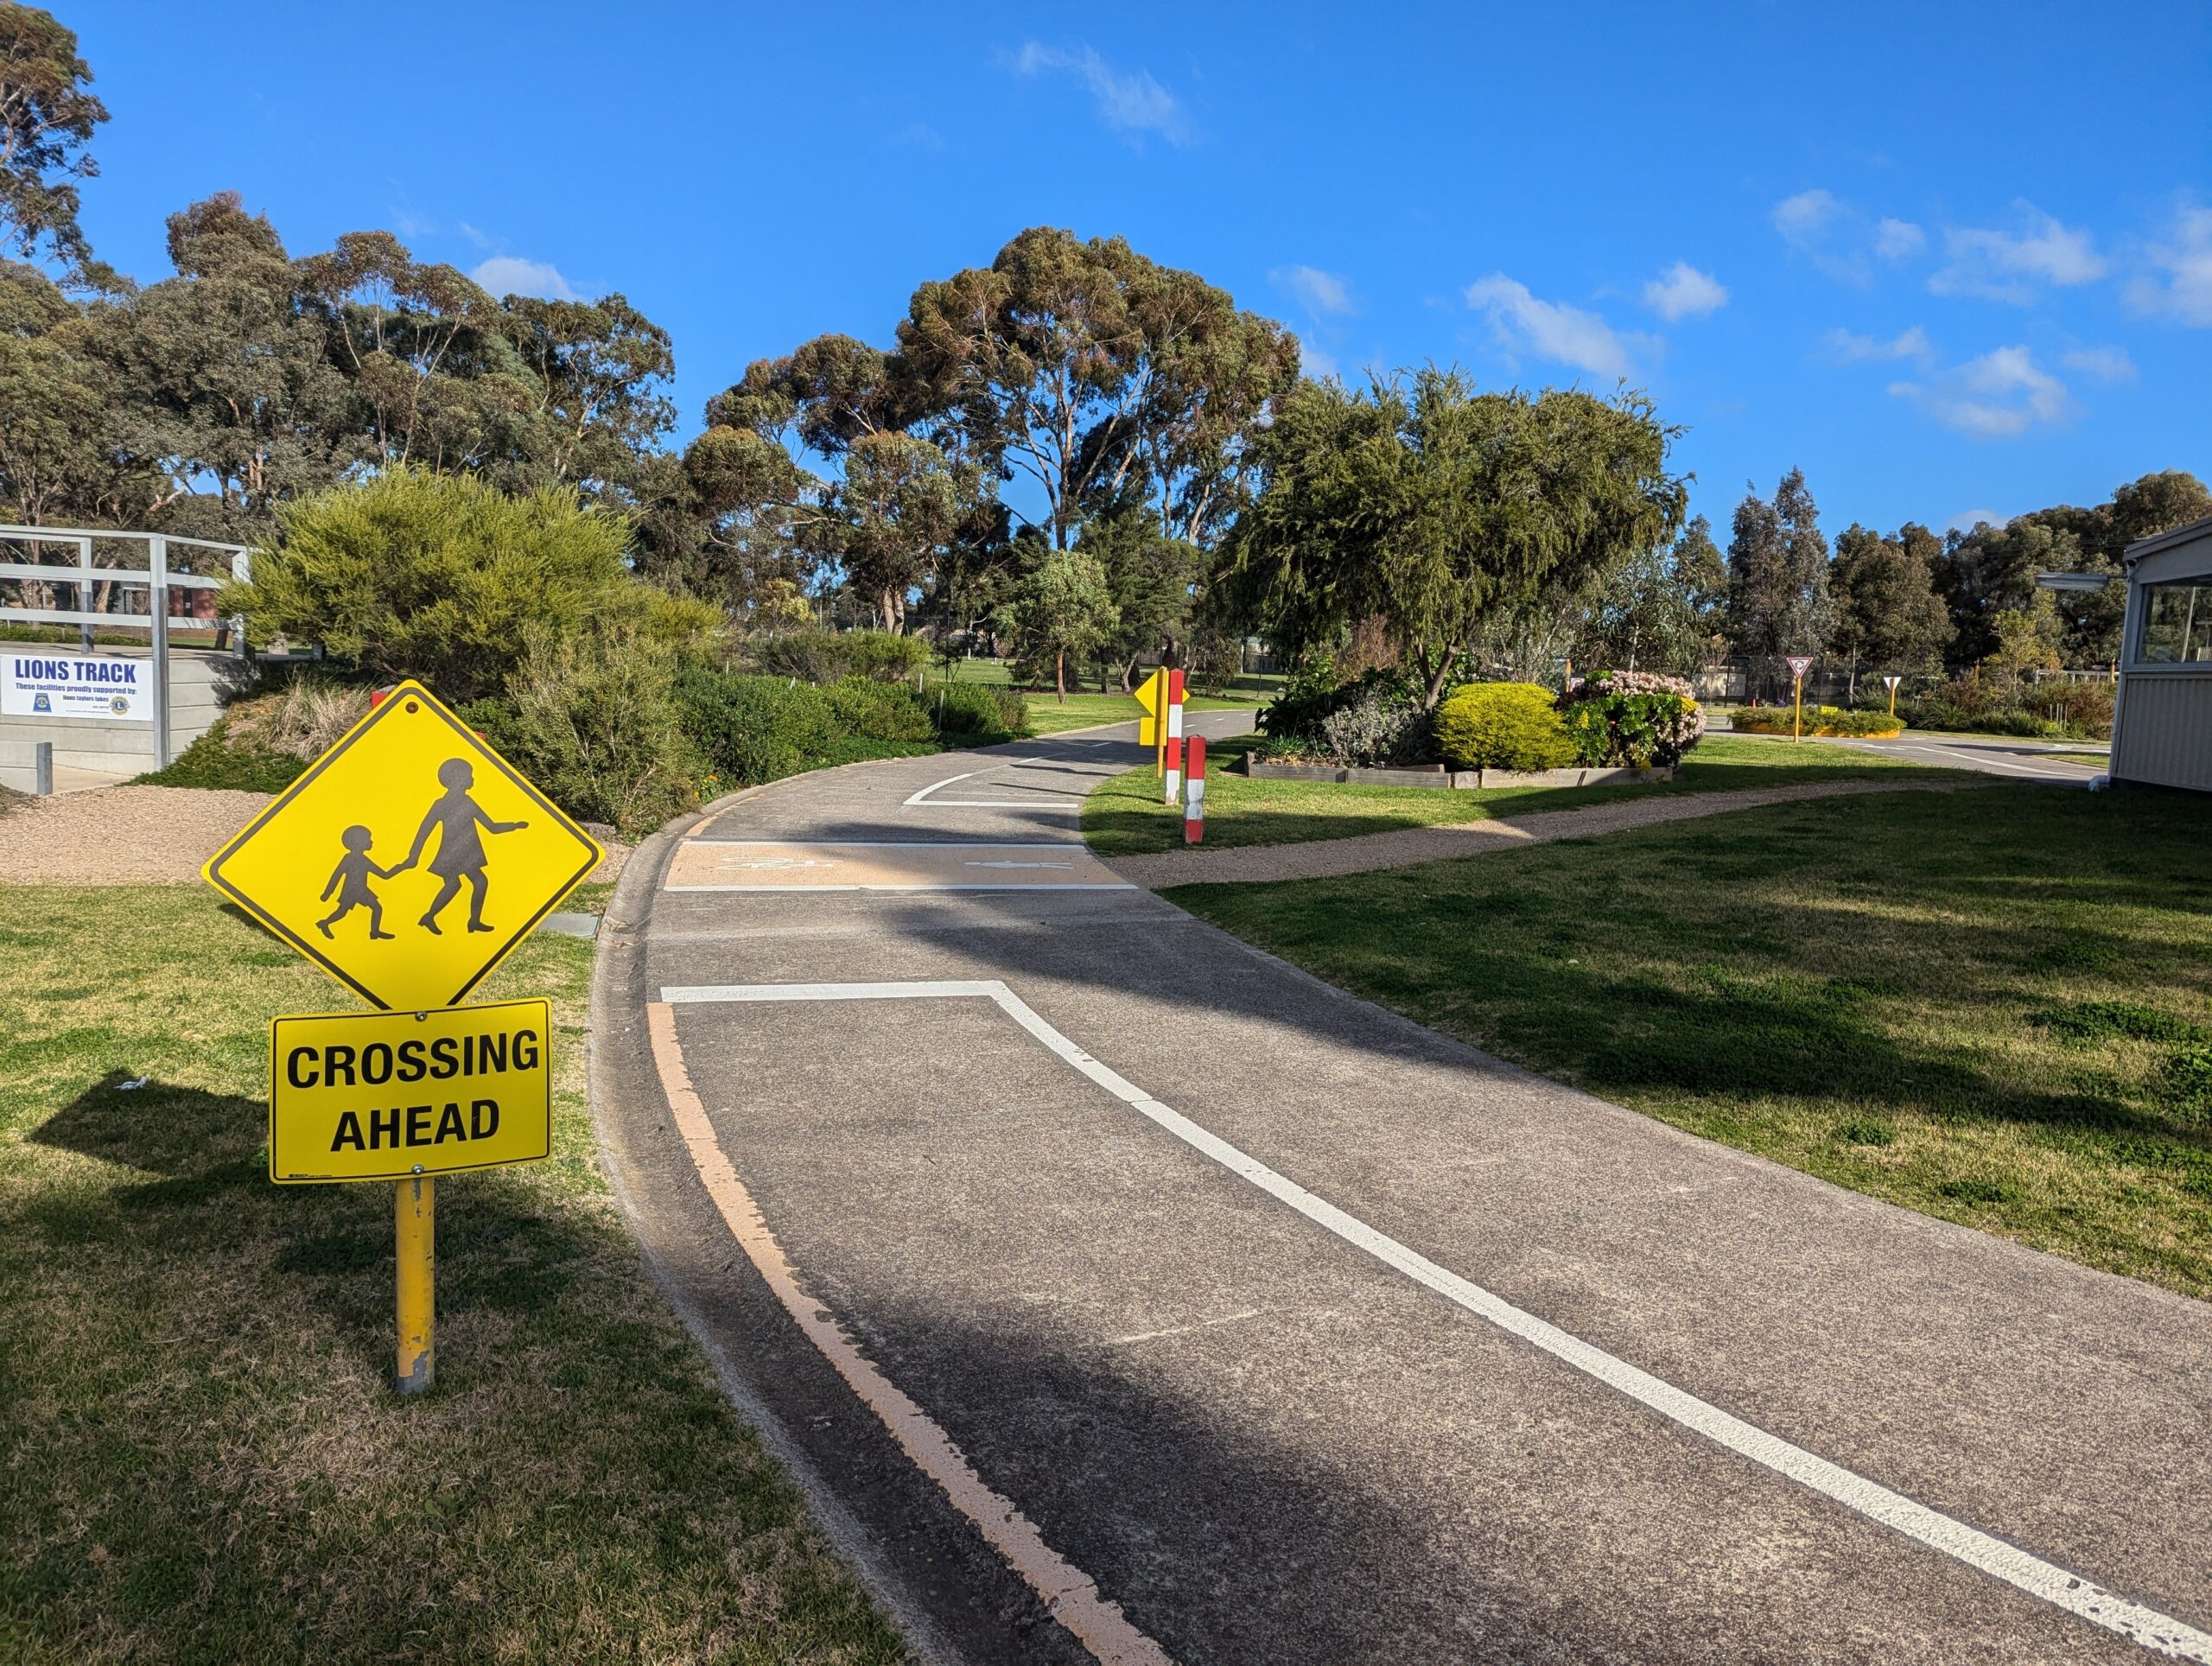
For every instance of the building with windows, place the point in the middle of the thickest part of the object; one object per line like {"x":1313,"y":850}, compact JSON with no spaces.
{"x":2162,"y":729}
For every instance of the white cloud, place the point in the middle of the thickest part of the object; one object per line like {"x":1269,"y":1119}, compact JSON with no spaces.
{"x":1840,"y":239}
{"x":1315,"y":363}
{"x":2006,"y":265}
{"x":1803,"y":217}
{"x":1994,"y":397}
{"x":1320,"y":291}
{"x":512,"y":274}
{"x":1130,"y":101}
{"x":2105,"y":364}
{"x":1857,"y":349}
{"x":1967,"y":519}
{"x":1898,"y":239}
{"x":1682,"y":291}
{"x":2185,"y":290}
{"x":1548,"y":329}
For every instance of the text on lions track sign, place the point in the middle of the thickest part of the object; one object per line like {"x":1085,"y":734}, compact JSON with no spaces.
{"x":384,"y":1095}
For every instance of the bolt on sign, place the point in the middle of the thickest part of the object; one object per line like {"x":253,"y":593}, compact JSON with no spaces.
{"x":407,"y":862}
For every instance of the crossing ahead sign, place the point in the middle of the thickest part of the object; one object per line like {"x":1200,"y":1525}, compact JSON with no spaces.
{"x":409,"y":860}
{"x":384,"y":1096}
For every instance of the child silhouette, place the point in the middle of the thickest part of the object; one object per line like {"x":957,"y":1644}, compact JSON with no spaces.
{"x":460,"y":852}
{"x":350,"y":879}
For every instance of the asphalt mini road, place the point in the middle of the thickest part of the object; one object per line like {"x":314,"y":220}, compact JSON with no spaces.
{"x":1119,"y":1292}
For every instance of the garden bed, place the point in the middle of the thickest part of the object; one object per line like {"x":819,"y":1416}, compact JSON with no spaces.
{"x":1435,"y":775}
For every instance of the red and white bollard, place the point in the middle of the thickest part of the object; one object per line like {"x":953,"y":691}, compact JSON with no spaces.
{"x":1194,"y":793}
{"x":1171,"y":771}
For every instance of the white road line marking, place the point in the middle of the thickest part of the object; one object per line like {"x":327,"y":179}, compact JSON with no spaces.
{"x":1069,"y":1594}
{"x":1185,"y":1329}
{"x":1989,"y":762}
{"x":2158,"y":1632}
{"x":923,"y":801}
{"x":886,"y":844}
{"x":947,"y":781}
{"x":1001,"y":885}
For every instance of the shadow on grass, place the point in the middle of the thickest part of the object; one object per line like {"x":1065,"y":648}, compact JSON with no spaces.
{"x":191,"y":1307}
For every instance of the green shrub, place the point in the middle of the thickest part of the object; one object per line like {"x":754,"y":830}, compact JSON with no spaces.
{"x":886,"y":657}
{"x":976,"y":708}
{"x":879,"y":711}
{"x":825,"y":657}
{"x":592,"y":720}
{"x":1818,"y":720}
{"x":757,"y":728}
{"x":1502,"y":726}
{"x":441,"y":577}
{"x":222,"y":759}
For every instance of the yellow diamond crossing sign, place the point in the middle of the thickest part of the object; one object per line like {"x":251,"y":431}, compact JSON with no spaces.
{"x":409,"y":860}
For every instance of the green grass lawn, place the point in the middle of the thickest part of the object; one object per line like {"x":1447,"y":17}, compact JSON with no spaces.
{"x":1048,"y":715}
{"x":204,"y":1460}
{"x":1992,"y":1005}
{"x":1127,"y":817}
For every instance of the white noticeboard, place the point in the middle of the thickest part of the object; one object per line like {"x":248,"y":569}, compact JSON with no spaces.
{"x":37,"y":684}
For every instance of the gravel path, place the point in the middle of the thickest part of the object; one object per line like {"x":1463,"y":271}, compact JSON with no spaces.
{"x":1325,"y":858}
{"x":135,"y":835}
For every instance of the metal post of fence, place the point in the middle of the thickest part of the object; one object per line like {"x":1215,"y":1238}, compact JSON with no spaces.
{"x":43,"y":768}
{"x":84,"y":590}
{"x":157,"y":599}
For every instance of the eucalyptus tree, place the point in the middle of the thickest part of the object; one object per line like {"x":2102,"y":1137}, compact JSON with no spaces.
{"x":1430,"y":506}
{"x":47,"y":117}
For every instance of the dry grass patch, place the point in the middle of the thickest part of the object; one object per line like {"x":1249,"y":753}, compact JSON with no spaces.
{"x":204,"y":1460}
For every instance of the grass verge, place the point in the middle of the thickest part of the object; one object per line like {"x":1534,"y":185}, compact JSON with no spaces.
{"x":204,"y":1460}
{"x":1048,"y":715}
{"x":1992,"y":1005}
{"x":1125,"y":817}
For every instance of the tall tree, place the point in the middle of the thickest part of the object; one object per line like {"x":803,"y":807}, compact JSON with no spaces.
{"x":1887,"y":613}
{"x":1150,"y":577}
{"x":1429,"y":506}
{"x":1062,"y":611}
{"x":1777,"y":576}
{"x":1082,"y":365}
{"x":901,"y":507}
{"x":47,"y":118}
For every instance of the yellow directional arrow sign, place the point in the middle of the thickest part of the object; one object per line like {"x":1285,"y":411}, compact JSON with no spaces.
{"x":409,"y":860}
{"x":1151,"y":694}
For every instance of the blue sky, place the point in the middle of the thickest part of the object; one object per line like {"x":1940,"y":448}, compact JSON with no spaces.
{"x":1949,"y":260}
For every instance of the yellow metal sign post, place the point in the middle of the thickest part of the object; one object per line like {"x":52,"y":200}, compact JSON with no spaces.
{"x":407,"y":862}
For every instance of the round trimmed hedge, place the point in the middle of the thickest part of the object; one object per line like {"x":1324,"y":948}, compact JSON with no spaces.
{"x":1502,"y":726}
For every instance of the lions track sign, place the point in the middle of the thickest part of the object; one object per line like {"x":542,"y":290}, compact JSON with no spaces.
{"x":409,"y":860}
{"x":384,"y":1096}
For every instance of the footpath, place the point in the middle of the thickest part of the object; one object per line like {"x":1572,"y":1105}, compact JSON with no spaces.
{"x":1121,"y":1292}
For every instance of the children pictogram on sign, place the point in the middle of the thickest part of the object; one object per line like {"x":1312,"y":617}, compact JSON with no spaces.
{"x":460,"y":851}
{"x":350,"y":879}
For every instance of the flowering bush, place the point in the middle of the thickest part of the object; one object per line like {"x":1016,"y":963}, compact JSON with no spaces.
{"x":1502,"y":726}
{"x":1632,"y":719}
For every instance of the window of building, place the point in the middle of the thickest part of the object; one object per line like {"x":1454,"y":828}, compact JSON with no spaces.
{"x":2177,"y":623}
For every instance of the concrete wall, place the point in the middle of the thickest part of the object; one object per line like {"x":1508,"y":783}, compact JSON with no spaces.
{"x":200,"y":684}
